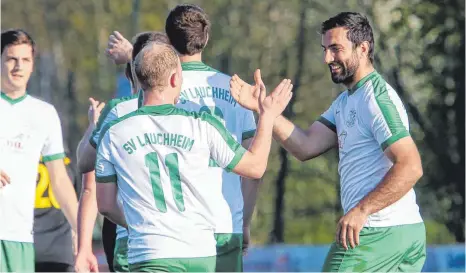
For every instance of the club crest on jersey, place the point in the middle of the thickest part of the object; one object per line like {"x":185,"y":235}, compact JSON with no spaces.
{"x":351,"y":118}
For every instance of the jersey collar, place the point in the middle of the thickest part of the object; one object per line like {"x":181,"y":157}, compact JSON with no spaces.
{"x":196,"y":66}
{"x":163,"y":109}
{"x":13,"y":101}
{"x":362,"y":81}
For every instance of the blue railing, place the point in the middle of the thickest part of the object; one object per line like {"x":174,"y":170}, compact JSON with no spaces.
{"x":306,"y":258}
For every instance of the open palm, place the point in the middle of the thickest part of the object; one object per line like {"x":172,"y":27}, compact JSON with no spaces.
{"x":245,"y":94}
{"x":275,"y":103}
{"x":119,"y":49}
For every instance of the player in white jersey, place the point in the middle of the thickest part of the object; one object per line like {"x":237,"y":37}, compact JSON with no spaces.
{"x":207,"y":90}
{"x":30,"y":129}
{"x":379,"y":164}
{"x":115,"y":108}
{"x":159,"y":156}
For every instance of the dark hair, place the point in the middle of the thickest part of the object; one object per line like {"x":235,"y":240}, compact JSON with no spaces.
{"x":188,"y":28}
{"x":359,"y":29}
{"x":17,"y":37}
{"x":139,"y":42}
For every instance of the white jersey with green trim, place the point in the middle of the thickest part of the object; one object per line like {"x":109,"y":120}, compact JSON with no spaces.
{"x":205,"y":89}
{"x":30,"y":128}
{"x":113,"y":110}
{"x":367,"y":120}
{"x":159,"y":157}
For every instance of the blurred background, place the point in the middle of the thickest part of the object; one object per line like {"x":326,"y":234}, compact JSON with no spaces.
{"x":419,"y":48}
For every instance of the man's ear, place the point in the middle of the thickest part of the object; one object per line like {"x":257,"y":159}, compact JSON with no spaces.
{"x":173,"y":79}
{"x":364,"y":47}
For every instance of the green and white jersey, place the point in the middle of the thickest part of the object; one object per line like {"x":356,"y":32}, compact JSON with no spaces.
{"x":159,"y":157}
{"x":205,"y":89}
{"x":113,"y":110}
{"x":368,"y":119}
{"x":29,"y":128}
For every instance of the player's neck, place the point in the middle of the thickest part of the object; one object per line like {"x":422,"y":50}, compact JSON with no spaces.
{"x":154,"y":98}
{"x":360,"y":74}
{"x":14,"y":93}
{"x":191,"y":58}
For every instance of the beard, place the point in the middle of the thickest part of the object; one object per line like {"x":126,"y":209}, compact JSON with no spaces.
{"x":345,"y":74}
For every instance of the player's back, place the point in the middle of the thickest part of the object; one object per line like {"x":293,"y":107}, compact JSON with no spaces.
{"x":161,"y":158}
{"x":205,"y":89}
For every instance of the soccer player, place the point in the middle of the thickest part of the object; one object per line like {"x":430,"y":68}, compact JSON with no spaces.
{"x":30,"y":128}
{"x":156,"y":160}
{"x":116,"y":247}
{"x":207,"y":90}
{"x":382,"y":229}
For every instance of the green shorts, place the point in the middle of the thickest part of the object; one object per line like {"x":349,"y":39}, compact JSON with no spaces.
{"x":385,"y":249}
{"x":120,"y":255}
{"x":204,"y":264}
{"x":229,"y":252}
{"x":16,"y":256}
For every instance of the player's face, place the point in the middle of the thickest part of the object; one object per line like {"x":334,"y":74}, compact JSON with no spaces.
{"x":17,"y":66}
{"x":340,"y":55}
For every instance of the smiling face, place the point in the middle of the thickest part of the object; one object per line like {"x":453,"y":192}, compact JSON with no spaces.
{"x":17,"y":66}
{"x":341,"y":55}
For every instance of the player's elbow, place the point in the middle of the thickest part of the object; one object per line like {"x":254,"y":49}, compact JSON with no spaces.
{"x":303,"y":155}
{"x":256,"y":175}
{"x":257,"y":172}
{"x":254,"y":172}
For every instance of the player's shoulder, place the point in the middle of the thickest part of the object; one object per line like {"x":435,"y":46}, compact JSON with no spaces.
{"x":377,"y":88}
{"x":40,"y":105}
{"x":372,"y":84}
{"x":112,"y":108}
{"x":111,"y":104}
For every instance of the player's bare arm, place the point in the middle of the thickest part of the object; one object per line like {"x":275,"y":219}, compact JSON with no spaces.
{"x":254,"y":161}
{"x":85,"y":152}
{"x":249,"y":188}
{"x":64,"y":191}
{"x":302,"y":144}
{"x":119,"y":49}
{"x":87,"y":213}
{"x":403,"y":175}
{"x":108,"y":204}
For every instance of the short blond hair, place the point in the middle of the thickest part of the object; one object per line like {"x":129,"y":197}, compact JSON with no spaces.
{"x":153,"y":64}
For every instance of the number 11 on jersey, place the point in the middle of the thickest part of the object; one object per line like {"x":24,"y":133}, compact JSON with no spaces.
{"x":171,"y":161}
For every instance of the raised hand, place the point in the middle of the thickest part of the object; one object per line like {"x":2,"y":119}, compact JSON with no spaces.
{"x":245,"y":94}
{"x":275,"y":103}
{"x":119,"y":49}
{"x":95,"y":108}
